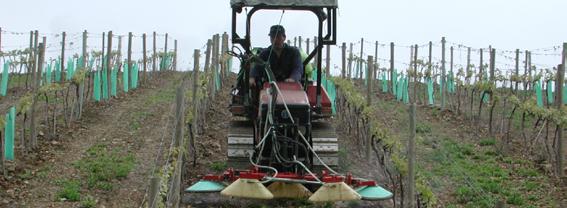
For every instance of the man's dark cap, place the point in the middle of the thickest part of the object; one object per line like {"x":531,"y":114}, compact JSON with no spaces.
{"x":277,"y":29}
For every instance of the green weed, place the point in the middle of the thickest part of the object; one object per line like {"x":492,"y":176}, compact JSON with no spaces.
{"x":527,"y":172}
{"x":487,"y":142}
{"x":27,"y":174}
{"x":422,"y":128}
{"x":218,"y":166}
{"x":102,"y":165}
{"x":531,"y":186}
{"x":70,"y":190}
{"x":482,"y":181}
{"x":465,"y":194}
{"x":88,"y":202}
{"x":515,"y":199}
{"x":164,"y":96}
{"x":43,"y":172}
{"x":135,"y":123}
{"x":490,"y":153}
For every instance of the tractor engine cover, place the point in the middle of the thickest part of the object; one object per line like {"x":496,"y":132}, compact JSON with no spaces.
{"x":294,"y":97}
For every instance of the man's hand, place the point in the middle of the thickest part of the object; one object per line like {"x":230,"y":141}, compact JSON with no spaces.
{"x":289,"y":80}
{"x":252,"y":82}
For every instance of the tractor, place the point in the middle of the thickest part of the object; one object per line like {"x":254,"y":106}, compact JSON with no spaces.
{"x":281,"y":143}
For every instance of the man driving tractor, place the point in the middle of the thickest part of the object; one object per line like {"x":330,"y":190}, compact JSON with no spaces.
{"x":284,"y":60}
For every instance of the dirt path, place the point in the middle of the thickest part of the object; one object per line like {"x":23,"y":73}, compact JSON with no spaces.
{"x":134,"y":125}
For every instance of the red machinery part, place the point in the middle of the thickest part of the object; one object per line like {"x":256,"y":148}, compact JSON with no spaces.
{"x":254,"y":173}
{"x":366,"y":183}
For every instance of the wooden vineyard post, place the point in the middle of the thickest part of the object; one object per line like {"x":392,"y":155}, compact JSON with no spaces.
{"x":180,"y":115}
{"x":376,"y":60}
{"x":101,"y":62}
{"x":350,"y":57}
{"x":369,"y":103}
{"x":443,"y":78}
{"x":131,"y":83}
{"x":526,"y":82}
{"x":468,"y":80}
{"x":154,"y":191}
{"x":480,"y":67}
{"x":451,"y":98}
{"x":208,"y":56}
{"x":224,"y":53}
{"x":214,"y":66}
{"x":108,"y":59}
{"x":307,"y":42}
{"x":369,"y":85}
{"x":517,"y":73}
{"x":174,"y":190}
{"x":217,"y":58}
{"x":493,"y":82}
{"x":392,"y":72}
{"x":35,"y":88}
{"x":40,"y":61}
{"x":529,"y":68}
{"x":35,"y":55}
{"x":560,"y":76}
{"x":360,"y":60}
{"x":145,"y":58}
{"x":206,"y":75}
{"x":415,"y":81}
{"x":63,"y":74}
{"x":175,"y":55}
{"x":374,"y":71}
{"x":216,"y":51}
{"x":559,"y":104}
{"x":85,"y":80}
{"x":224,"y":56}
{"x":84,"y":52}
{"x":468,"y":67}
{"x":492,"y":65}
{"x":492,"y":69}
{"x":343,"y":58}
{"x":119,"y":55}
{"x":30,"y":62}
{"x":411,"y":158}
{"x":410,"y":59}
{"x":196,"y":57}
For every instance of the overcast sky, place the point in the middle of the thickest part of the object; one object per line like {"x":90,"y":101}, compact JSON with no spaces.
{"x":504,"y":24}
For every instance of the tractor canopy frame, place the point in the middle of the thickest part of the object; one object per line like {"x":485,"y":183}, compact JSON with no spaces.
{"x":325,"y":10}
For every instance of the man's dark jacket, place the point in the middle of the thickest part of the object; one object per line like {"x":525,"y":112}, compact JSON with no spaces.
{"x":287,"y":65}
